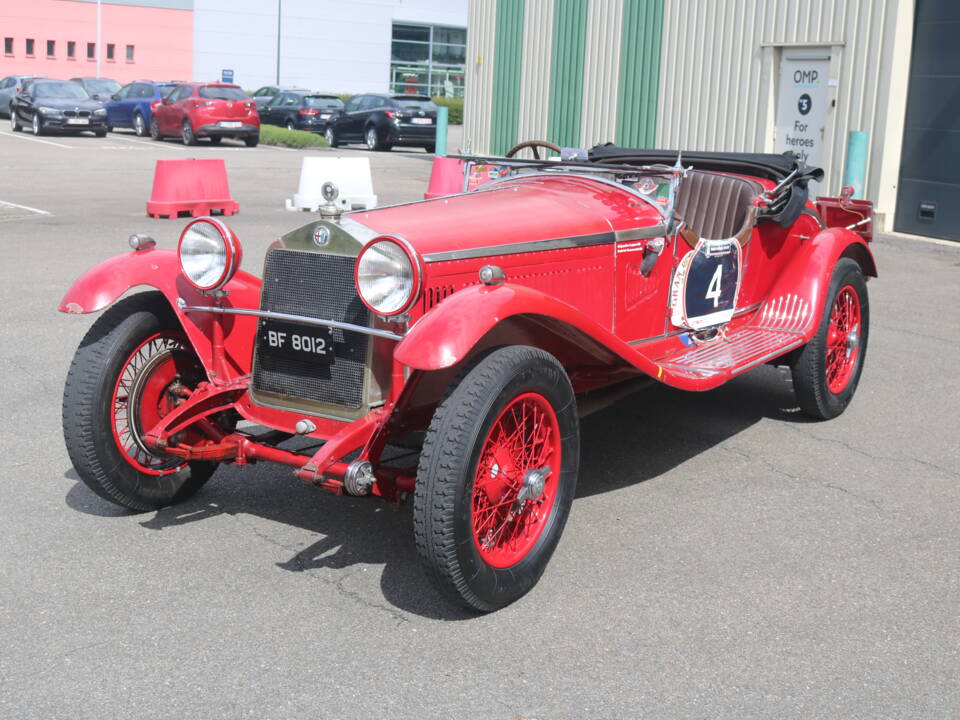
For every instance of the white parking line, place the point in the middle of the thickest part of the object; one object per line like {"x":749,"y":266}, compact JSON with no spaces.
{"x":149,"y":143}
{"x":33,"y":139}
{"x":24,"y":207}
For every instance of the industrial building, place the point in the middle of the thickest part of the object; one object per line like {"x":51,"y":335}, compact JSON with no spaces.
{"x":356,"y":46}
{"x":735,"y":75}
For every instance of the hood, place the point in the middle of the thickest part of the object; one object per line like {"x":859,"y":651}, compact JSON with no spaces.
{"x":68,"y":104}
{"x":524,"y":209}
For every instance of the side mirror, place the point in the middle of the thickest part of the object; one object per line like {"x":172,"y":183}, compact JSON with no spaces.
{"x":114,"y":97}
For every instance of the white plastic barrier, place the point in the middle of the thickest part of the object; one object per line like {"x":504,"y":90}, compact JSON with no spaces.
{"x":351,"y":175}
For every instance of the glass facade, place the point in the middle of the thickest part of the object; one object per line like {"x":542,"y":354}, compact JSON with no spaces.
{"x":428,"y":60}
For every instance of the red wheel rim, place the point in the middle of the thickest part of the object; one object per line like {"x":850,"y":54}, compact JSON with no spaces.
{"x":143,"y":395}
{"x":517,"y":478}
{"x":843,"y":339}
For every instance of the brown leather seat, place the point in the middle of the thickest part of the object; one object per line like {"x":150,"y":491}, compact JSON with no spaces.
{"x":716,"y":207}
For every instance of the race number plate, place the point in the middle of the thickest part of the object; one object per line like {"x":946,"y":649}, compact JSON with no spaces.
{"x":705,"y":285}
{"x":78,"y":121}
{"x":292,"y":341}
{"x":230,"y":123}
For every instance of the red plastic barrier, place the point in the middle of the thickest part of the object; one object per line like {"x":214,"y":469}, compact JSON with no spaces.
{"x":194,"y":187}
{"x":446,"y":178}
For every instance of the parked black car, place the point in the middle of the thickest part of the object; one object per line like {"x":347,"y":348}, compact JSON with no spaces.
{"x":382,"y":121}
{"x":98,"y":88}
{"x":301,"y":110}
{"x":262,"y":96}
{"x":46,"y":105}
{"x":9,"y":87}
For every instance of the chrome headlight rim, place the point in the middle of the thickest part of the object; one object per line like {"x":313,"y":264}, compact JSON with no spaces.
{"x":232,"y":251}
{"x":416,"y":269}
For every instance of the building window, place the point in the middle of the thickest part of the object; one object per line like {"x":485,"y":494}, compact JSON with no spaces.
{"x":51,"y":48}
{"x":71,"y":49}
{"x":428,"y":59}
{"x":110,"y":48}
{"x":29,"y":47}
{"x":8,"y":46}
{"x":91,"y":51}
{"x":129,"y":53}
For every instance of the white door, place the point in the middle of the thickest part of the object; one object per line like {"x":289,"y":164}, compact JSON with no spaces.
{"x":802,"y":105}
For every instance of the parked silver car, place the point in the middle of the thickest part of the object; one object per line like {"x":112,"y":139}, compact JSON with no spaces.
{"x":9,"y":87}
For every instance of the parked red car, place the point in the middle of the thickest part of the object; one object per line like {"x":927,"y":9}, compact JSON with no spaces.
{"x":477,"y":327}
{"x":206,"y":110}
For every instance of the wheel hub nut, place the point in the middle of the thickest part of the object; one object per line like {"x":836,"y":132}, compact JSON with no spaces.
{"x":533,"y":483}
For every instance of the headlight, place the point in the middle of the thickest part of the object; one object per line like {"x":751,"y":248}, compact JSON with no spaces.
{"x":48,"y":110}
{"x":388,"y":276}
{"x":100,"y":112}
{"x":209,"y":253}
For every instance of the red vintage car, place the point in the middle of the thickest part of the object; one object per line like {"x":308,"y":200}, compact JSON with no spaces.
{"x":475,"y":328}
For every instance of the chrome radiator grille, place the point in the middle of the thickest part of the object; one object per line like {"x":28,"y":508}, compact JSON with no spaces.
{"x":320,"y":286}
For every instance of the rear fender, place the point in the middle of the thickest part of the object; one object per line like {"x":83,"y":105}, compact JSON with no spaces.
{"x":103,"y":284}
{"x":808,"y":273}
{"x":448,"y":333}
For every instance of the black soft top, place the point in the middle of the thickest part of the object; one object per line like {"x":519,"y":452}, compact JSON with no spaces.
{"x":766,"y":165}
{"x":785,"y":207}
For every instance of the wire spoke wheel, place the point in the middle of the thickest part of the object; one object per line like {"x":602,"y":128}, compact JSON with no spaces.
{"x":843,"y":339}
{"x":515,"y":485}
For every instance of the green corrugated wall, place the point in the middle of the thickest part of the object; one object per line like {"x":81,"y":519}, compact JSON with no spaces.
{"x":639,"y":73}
{"x":507,"y":57}
{"x":641,"y":32}
{"x":566,"y":75}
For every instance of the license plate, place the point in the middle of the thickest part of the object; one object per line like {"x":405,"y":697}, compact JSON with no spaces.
{"x":292,"y":341}
{"x":230,"y":124}
{"x":421,"y":121}
{"x":325,"y":116}
{"x":77,"y":121}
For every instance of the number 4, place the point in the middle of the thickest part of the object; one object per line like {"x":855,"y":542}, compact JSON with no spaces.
{"x":713,"y":289}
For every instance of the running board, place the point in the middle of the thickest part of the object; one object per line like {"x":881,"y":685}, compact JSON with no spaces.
{"x":743,"y":349}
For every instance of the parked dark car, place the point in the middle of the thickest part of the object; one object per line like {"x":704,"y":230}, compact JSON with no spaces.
{"x":132,"y":106}
{"x":45,"y":105}
{"x":9,"y":87}
{"x":206,"y":110}
{"x":301,"y":110}
{"x":382,"y":121}
{"x":98,"y":88}
{"x":262,"y":96}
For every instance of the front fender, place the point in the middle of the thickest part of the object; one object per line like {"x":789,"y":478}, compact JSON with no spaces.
{"x":103,"y":284}
{"x":808,"y":273}
{"x":446,"y":335}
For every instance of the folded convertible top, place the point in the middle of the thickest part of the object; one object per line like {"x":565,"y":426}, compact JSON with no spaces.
{"x":765,"y":165}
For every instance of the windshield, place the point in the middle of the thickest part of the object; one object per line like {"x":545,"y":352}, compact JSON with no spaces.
{"x":414,"y":103}
{"x":64,"y":90}
{"x":101,"y":85}
{"x":323,"y":102}
{"x":222,"y":93}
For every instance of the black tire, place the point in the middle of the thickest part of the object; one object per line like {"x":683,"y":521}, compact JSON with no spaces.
{"x":155,"y":129}
{"x":452,"y":449}
{"x":215,"y":140}
{"x":331,"y":135}
{"x":139,"y":126}
{"x":36,"y":124}
{"x":109,"y":128}
{"x":810,"y":381}
{"x":186,"y":133}
{"x":15,"y":121}
{"x":432,"y":148}
{"x":374,"y":140}
{"x":100,"y":133}
{"x":88,"y":399}
{"x":252,"y":140}
{"x":291,"y":125}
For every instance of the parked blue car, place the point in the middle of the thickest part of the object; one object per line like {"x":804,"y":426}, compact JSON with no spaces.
{"x":131,"y":107}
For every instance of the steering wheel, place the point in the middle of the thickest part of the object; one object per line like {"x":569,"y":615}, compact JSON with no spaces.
{"x":533,"y":145}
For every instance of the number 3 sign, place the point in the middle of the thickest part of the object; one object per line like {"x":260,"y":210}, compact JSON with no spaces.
{"x":705,"y":286}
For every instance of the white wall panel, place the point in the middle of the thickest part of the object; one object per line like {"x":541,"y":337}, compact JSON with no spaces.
{"x":478,"y":83}
{"x":601,"y":72}
{"x":535,"y":82}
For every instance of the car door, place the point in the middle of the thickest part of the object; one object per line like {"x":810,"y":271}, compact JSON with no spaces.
{"x":168,"y":113}
{"x":118,"y":107}
{"x":348,"y":125}
{"x":6,"y":91}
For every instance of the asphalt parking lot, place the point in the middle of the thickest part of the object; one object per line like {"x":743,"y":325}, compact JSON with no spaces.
{"x":724,"y":557}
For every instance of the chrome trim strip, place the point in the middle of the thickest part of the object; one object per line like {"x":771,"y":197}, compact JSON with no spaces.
{"x":576,"y":241}
{"x":302,"y":319}
{"x":643,"y":233}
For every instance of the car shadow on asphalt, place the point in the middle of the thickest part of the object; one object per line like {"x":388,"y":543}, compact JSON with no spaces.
{"x":638,"y":438}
